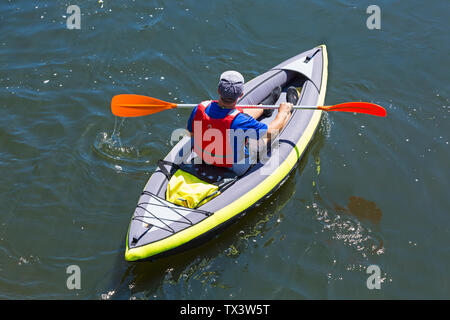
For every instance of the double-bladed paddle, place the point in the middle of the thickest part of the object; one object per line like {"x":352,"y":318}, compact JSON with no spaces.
{"x":133,"y":105}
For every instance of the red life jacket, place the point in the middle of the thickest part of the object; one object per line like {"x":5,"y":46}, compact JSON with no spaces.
{"x":212,"y":136}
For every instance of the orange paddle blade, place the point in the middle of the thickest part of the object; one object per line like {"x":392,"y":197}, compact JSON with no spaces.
{"x":358,"y":107}
{"x":133,"y":105}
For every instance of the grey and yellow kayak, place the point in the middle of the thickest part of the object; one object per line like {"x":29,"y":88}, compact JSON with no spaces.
{"x":159,"y":227}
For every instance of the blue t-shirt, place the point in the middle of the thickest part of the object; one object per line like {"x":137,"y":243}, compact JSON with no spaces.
{"x":242,"y":122}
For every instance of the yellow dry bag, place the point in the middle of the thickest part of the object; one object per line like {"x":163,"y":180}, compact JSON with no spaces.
{"x":187,"y":190}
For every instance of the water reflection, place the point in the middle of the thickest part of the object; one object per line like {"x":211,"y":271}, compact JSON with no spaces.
{"x":355,"y":233}
{"x":362,"y":209}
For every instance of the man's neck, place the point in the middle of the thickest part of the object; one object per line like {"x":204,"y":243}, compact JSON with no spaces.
{"x":225,"y":105}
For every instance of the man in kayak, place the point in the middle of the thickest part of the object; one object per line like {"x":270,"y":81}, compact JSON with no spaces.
{"x":220,"y":130}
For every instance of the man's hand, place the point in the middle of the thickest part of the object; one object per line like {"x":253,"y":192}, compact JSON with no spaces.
{"x":285,"y":107}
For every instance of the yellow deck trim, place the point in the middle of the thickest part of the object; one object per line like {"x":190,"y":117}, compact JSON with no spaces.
{"x":248,"y":199}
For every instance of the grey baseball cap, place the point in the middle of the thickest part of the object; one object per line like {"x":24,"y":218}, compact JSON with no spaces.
{"x":231,"y":85}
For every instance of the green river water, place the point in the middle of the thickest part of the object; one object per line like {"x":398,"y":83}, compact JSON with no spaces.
{"x":369,"y":190}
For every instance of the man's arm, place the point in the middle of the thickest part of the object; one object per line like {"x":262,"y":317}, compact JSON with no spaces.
{"x":284,"y":113}
{"x":273,"y":129}
{"x":190,"y":121}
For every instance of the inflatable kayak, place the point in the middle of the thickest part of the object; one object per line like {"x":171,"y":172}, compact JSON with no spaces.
{"x":161,"y":226}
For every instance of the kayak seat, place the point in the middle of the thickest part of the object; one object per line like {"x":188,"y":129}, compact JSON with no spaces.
{"x":211,"y":174}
